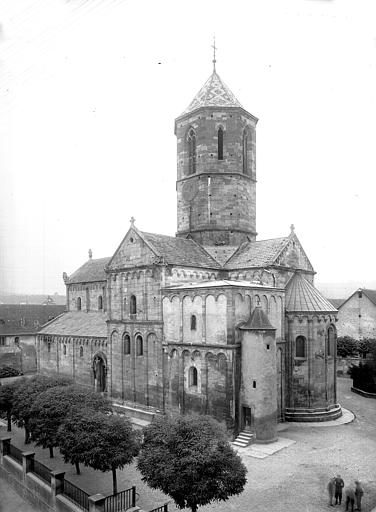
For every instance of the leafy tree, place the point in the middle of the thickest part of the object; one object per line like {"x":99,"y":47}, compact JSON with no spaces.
{"x":364,"y":346}
{"x":101,"y":441}
{"x":7,"y":393}
{"x":190,"y":459}
{"x":363,"y":377}
{"x":27,"y":392}
{"x":51,"y":407}
{"x":346,"y":346}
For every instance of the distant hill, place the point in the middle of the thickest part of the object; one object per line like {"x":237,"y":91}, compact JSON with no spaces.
{"x":11,"y":298}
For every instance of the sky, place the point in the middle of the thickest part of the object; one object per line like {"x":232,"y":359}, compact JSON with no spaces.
{"x":89,"y":90}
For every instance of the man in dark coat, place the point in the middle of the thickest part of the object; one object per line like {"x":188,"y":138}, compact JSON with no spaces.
{"x":350,"y":498}
{"x":338,"y":486}
{"x":358,"y":494}
{"x":331,"y":487}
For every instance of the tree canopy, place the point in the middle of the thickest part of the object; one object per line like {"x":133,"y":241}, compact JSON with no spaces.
{"x":190,"y":459}
{"x":7,"y":393}
{"x":346,"y":346}
{"x":51,"y":407}
{"x":101,"y":441}
{"x":27,"y":392}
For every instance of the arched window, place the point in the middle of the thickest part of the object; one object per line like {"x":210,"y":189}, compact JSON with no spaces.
{"x":81,"y":351}
{"x":193,"y":322}
{"x":100,"y":302}
{"x":133,"y":305}
{"x":300,"y":346}
{"x":191,"y":139}
{"x":49,"y":347}
{"x":220,"y":143}
{"x":127,"y":344}
{"x":330,"y":341}
{"x":139,"y":345}
{"x":245,"y":151}
{"x":65,"y":350}
{"x":192,"y":377}
{"x":79,"y":304}
{"x":16,"y":340}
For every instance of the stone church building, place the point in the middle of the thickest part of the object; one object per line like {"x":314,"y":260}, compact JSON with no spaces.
{"x":211,"y":321}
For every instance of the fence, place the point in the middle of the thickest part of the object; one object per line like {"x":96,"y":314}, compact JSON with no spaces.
{"x":15,"y":453}
{"x":121,"y":501}
{"x":162,"y":508}
{"x":41,"y":470}
{"x":77,"y":495}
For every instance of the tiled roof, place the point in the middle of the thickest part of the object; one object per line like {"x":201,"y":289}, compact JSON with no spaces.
{"x":179,"y":251}
{"x":371,"y":294}
{"x":92,"y":270}
{"x":214,"y":93}
{"x":337,"y":303}
{"x":257,"y":254}
{"x":302,"y":296}
{"x":26,"y":318}
{"x":258,"y":321}
{"x":78,"y":323}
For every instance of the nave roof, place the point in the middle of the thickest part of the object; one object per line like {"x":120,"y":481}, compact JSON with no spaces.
{"x":78,"y":323}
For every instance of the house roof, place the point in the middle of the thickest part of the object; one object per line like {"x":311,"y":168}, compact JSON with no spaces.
{"x":78,"y":323}
{"x":26,"y":318}
{"x":179,"y":251}
{"x":91,"y":271}
{"x":337,"y":303}
{"x":258,"y":321}
{"x":370,"y":294}
{"x":257,"y":254}
{"x":214,"y":93}
{"x":302,"y":297}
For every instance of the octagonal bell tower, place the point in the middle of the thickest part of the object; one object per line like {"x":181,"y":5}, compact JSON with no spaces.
{"x":216,"y":168}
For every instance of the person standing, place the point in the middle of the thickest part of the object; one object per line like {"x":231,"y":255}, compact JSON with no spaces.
{"x":338,"y":486}
{"x":358,"y":494}
{"x":331,"y":487}
{"x":350,"y":498}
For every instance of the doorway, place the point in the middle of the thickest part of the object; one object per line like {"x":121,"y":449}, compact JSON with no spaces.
{"x":246,"y":418}
{"x":100,"y":371}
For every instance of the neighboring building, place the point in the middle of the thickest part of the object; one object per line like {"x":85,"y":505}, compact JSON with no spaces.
{"x":357,"y":315}
{"x":33,"y":299}
{"x":210,"y":321}
{"x":19,"y":324}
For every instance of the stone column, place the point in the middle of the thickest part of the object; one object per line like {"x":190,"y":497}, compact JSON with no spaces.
{"x":57,"y":484}
{"x":310,"y":358}
{"x":27,"y":463}
{"x":96,"y":503}
{"x":5,"y":446}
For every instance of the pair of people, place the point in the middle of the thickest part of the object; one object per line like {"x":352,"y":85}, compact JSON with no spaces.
{"x":335,"y":487}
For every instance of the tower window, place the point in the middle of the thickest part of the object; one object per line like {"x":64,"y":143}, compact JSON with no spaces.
{"x":330,"y":340}
{"x":139,"y":345}
{"x":65,"y":350}
{"x":245,"y":152}
{"x":81,"y":351}
{"x":100,"y":302}
{"x":192,"y":377}
{"x":127,"y":344}
{"x":191,"y":139}
{"x":79,"y":304}
{"x":300,"y":346}
{"x":360,"y":294}
{"x":254,"y":384}
{"x":193,"y":322}
{"x":133,"y":305}
{"x":49,"y":347}
{"x":220,"y":143}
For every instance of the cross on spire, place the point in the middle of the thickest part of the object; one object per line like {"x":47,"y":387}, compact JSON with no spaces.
{"x":132,"y":221}
{"x":214,"y":48}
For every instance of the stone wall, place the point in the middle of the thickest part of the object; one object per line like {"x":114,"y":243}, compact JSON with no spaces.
{"x":357,"y":317}
{"x":89,"y":294}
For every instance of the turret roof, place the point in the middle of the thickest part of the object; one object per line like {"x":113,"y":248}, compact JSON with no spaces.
{"x":214,"y":93}
{"x":258,"y":321}
{"x":302,"y":297}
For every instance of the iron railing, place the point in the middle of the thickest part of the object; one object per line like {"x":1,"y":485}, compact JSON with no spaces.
{"x":77,"y":495}
{"x":162,"y":508}
{"x":41,"y":470}
{"x":121,"y":501}
{"x":15,"y":453}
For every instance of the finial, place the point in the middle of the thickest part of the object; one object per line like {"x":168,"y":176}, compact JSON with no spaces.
{"x":292,"y":227}
{"x":214,"y":48}
{"x":132,"y":222}
{"x":90,"y":254}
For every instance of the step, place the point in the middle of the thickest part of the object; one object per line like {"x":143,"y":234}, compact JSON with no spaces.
{"x":242,"y":437}
{"x":241,"y":445}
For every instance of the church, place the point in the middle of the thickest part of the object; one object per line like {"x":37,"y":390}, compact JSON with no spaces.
{"x":212,"y":320}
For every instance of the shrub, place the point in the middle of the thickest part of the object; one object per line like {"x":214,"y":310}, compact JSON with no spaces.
{"x":8,"y":371}
{"x":363,"y":377}
{"x":346,"y":346}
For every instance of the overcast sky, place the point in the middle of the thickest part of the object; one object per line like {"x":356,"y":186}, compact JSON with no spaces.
{"x":88,"y":95}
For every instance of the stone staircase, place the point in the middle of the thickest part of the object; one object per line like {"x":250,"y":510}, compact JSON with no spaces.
{"x":244,"y":439}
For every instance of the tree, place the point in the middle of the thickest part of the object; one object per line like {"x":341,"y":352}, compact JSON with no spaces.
{"x":346,"y":346}
{"x":364,"y":346}
{"x":27,"y":392}
{"x":51,"y":407}
{"x":363,"y":377}
{"x":7,"y":393}
{"x":101,"y":441}
{"x":190,"y":459}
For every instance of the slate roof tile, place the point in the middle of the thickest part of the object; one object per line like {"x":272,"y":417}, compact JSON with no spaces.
{"x":257,"y":254}
{"x":26,"y":318}
{"x":78,"y":323}
{"x":91,"y":271}
{"x":302,"y":296}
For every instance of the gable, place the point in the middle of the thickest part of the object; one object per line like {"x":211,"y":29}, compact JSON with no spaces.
{"x":133,"y":251}
{"x":293,"y":256}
